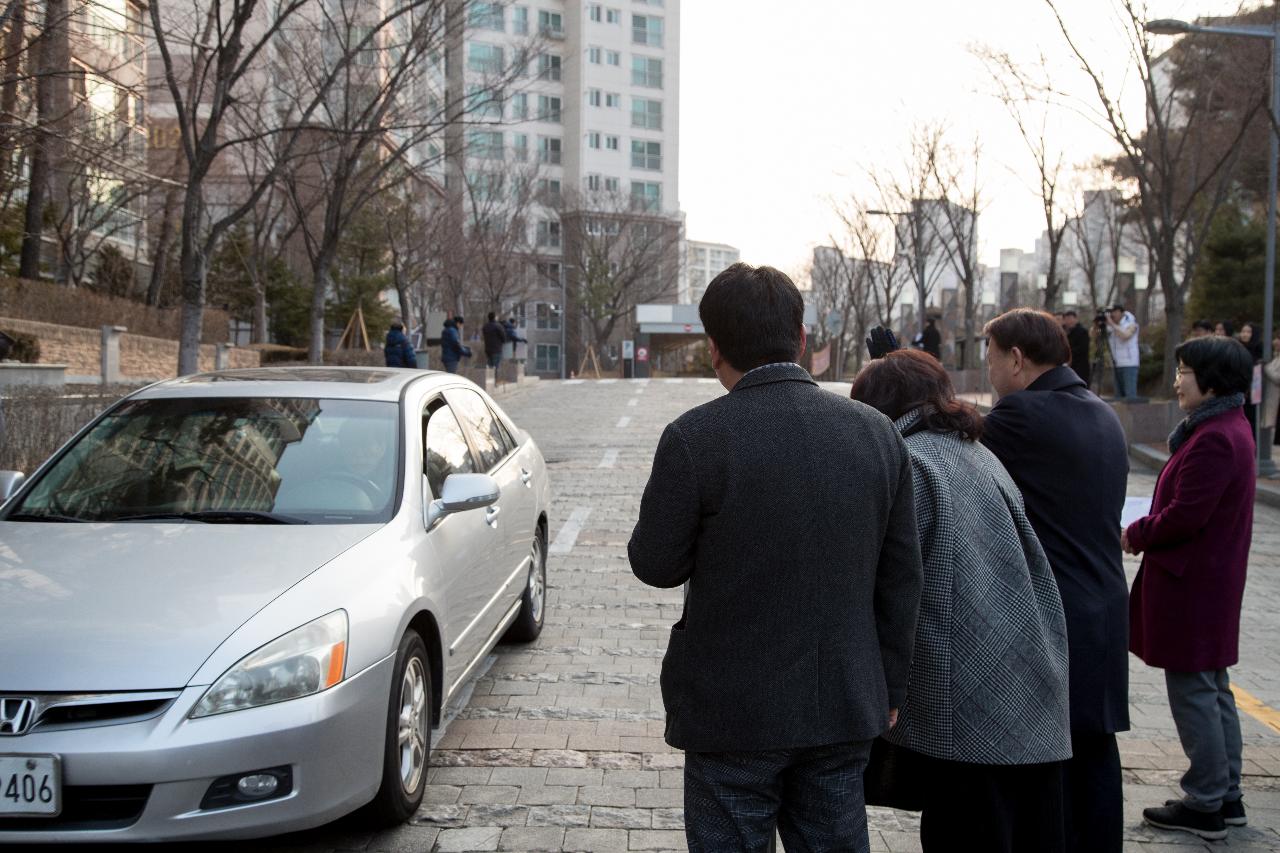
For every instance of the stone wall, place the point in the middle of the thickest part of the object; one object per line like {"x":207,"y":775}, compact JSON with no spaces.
{"x":141,"y":357}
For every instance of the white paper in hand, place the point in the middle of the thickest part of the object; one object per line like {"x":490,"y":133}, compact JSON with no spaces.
{"x":1134,"y":509}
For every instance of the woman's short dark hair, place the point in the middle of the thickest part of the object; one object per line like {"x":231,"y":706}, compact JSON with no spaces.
{"x":1222,"y":365}
{"x":1037,"y":334}
{"x":907,"y":379}
{"x":754,"y":316}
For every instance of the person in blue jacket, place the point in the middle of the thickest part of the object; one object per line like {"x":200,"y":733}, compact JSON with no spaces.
{"x":451,"y":349}
{"x":398,"y":349}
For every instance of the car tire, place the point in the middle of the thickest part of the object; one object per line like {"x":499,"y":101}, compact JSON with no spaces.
{"x":533,"y":602}
{"x":407,"y":750}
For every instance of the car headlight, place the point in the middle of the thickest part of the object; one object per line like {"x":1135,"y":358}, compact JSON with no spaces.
{"x":304,"y":661}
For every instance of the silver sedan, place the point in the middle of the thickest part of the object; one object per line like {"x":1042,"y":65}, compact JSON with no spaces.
{"x":236,"y":603}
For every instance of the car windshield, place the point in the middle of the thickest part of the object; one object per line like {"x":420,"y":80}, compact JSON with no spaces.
{"x":227,"y":460}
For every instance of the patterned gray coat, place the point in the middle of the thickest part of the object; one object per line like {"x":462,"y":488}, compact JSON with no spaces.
{"x":988,"y":681}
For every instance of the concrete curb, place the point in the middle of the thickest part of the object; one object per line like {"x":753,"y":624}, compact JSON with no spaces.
{"x":1152,"y":457}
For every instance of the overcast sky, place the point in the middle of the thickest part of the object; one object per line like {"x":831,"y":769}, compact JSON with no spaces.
{"x":785,"y":106}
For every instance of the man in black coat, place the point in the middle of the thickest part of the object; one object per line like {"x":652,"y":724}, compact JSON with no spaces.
{"x":495,"y":336}
{"x":1078,"y":340}
{"x":788,"y":512}
{"x":1067,"y":453}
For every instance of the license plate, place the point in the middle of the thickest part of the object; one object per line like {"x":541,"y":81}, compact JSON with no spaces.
{"x":30,"y":785}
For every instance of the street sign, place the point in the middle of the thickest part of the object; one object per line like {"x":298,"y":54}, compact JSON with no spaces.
{"x":833,"y":322}
{"x":628,"y":349}
{"x":642,"y":354}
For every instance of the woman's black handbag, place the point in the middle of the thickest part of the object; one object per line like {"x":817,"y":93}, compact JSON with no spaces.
{"x":896,"y":777}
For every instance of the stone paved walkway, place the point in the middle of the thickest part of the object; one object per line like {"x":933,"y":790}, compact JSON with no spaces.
{"x":560,"y":744}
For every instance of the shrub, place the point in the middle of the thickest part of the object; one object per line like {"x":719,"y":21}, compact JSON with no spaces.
{"x":356,"y":358}
{"x":24,"y":348}
{"x":47,"y":302}
{"x":35,"y":421}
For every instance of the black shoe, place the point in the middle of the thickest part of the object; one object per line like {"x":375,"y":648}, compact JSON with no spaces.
{"x":1207,"y":825}
{"x":1233,"y":813}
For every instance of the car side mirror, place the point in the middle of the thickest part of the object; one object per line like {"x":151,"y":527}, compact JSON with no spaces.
{"x":463,"y":492}
{"x":10,"y":482}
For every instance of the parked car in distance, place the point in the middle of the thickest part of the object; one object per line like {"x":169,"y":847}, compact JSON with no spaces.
{"x":236,"y":603}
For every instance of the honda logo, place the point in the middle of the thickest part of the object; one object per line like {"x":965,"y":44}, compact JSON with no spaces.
{"x":16,"y":715}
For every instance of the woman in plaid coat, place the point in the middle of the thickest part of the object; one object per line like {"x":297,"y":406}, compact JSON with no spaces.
{"x":986,"y":719}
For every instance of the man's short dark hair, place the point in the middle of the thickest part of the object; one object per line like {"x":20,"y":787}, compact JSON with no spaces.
{"x":1037,"y":334}
{"x":1070,"y":313}
{"x":754,"y":316}
{"x":1203,"y":325}
{"x":1222,"y":365}
{"x":492,"y":316}
{"x":397,"y":326}
{"x":458,"y":319}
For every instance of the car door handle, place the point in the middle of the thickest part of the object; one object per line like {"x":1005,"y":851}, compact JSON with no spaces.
{"x":526,"y":476}
{"x":491,"y":516}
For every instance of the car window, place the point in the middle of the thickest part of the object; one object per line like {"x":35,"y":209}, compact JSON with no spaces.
{"x":487,"y":433}
{"x":445,"y":449}
{"x":319,"y":461}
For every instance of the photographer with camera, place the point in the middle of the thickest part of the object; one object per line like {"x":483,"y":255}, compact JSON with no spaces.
{"x":1122,"y":336}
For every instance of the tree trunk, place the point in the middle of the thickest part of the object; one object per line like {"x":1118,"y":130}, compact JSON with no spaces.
{"x":9,"y":126}
{"x":164,"y":246}
{"x":320,"y":279}
{"x":194,"y":265}
{"x":52,"y":59}
{"x":970,"y":327}
{"x":261,"y":333}
{"x":406,"y":305}
{"x":1173,"y":311}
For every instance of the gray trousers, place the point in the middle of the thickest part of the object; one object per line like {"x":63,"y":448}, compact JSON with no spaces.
{"x":1204,"y":710}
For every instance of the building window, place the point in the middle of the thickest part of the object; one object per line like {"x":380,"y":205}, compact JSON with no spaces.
{"x":548,"y":271}
{"x":594,"y":97}
{"x":646,"y":113}
{"x":484,"y":102}
{"x":485,"y":186}
{"x":546,"y":358}
{"x":611,"y":185}
{"x":548,"y":108}
{"x":613,"y":57}
{"x":548,"y":66}
{"x":549,"y":190}
{"x":485,"y":144}
{"x":611,"y":142}
{"x":594,"y":55}
{"x":484,"y":58}
{"x":593,"y":183}
{"x":646,"y":72}
{"x":520,"y":20}
{"x":519,"y":106}
{"x":595,"y":12}
{"x":550,"y":24}
{"x":593,"y":139}
{"x":613,"y":16}
{"x":646,"y":195}
{"x":549,"y":151}
{"x":612,"y":100}
{"x":646,"y":30}
{"x":547,"y":315}
{"x":520,"y":147}
{"x":486,"y":16}
{"x":646,"y":155}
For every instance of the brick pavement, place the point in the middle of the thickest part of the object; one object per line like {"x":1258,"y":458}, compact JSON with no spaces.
{"x":559,"y":746}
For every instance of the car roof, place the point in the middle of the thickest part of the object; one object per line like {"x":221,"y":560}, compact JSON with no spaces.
{"x":350,"y":383}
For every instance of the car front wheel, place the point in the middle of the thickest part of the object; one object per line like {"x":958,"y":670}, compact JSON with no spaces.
{"x":408,"y":740}
{"x":533,"y":604}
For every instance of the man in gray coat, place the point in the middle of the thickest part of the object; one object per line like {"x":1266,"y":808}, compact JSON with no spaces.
{"x":788,"y":512}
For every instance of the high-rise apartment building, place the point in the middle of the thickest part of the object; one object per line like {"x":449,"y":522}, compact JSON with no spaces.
{"x":592,"y":114}
{"x":704,"y":262}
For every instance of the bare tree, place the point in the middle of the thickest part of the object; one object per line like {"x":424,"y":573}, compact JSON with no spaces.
{"x":959,"y":183}
{"x":618,"y":254}
{"x":216,"y":58}
{"x":864,"y":240}
{"x":909,"y":195}
{"x":842,"y":287}
{"x":1180,"y":164}
{"x":1023,"y":90}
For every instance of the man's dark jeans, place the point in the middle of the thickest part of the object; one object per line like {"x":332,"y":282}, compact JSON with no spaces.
{"x":813,"y":796}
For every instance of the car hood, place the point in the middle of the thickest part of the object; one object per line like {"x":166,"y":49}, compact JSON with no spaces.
{"x":140,"y":606}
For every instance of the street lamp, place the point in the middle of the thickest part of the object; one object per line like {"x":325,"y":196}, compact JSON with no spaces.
{"x":1173,"y":27}
{"x":915,"y":245}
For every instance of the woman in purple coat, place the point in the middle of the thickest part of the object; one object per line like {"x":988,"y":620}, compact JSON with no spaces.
{"x":1184,"y":611}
